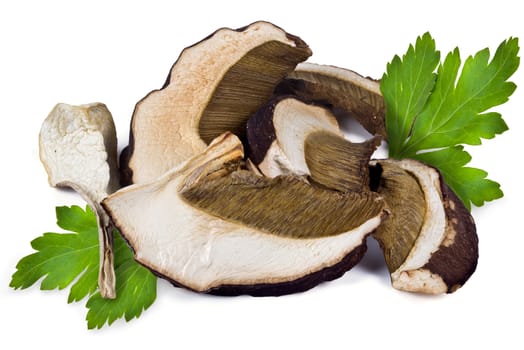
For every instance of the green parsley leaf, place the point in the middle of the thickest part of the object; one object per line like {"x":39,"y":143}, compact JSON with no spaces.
{"x":429,"y":116}
{"x":135,"y":290}
{"x":406,"y":87}
{"x":469,"y":184}
{"x":62,"y":258}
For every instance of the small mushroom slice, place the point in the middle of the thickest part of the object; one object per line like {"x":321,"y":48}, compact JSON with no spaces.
{"x":288,"y":135}
{"x":211,"y":227}
{"x":341,"y":89}
{"x":78,"y":149}
{"x":429,"y":239}
{"x":213,"y":87}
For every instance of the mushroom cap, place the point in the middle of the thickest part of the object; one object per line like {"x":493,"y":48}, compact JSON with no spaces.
{"x":189,"y":227}
{"x":212,"y":88}
{"x":443,"y":254}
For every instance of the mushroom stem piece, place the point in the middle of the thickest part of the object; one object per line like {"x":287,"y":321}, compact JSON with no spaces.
{"x":78,"y":149}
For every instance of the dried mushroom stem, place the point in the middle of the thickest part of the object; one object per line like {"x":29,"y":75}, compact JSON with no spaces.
{"x":78,"y":149}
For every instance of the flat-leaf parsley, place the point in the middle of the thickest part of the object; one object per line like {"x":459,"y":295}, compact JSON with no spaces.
{"x":64,"y":258}
{"x":429,"y":116}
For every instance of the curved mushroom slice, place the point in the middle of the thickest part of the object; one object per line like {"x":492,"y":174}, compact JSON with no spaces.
{"x":342,"y":89}
{"x":429,"y":240}
{"x":289,"y":135}
{"x":78,"y":149}
{"x":210,"y":227}
{"x":213,"y":87}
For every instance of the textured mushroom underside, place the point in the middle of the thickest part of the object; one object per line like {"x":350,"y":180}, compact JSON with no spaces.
{"x":444,"y":253}
{"x":78,"y":149}
{"x":341,"y":89}
{"x":214,"y":87}
{"x":407,"y":204}
{"x":193,"y":245}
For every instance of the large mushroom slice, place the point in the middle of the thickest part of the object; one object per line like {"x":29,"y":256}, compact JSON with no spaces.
{"x":213,"y":87}
{"x":341,"y":89}
{"x":78,"y":149}
{"x":429,"y":239}
{"x":289,"y":135}
{"x":210,"y":227}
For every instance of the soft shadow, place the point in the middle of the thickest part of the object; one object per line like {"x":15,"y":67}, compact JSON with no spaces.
{"x":373,"y":260}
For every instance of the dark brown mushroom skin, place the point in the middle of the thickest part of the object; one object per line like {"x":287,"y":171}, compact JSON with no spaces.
{"x":261,"y":131}
{"x":456,"y":259}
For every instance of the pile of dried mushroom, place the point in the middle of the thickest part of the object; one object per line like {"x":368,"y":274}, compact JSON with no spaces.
{"x":237,"y":178}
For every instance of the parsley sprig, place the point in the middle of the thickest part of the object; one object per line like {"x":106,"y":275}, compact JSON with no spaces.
{"x":62,"y":259}
{"x":431,"y":115}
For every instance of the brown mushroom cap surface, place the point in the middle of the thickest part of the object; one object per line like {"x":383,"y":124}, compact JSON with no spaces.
{"x":213,"y":87}
{"x":210,"y":227}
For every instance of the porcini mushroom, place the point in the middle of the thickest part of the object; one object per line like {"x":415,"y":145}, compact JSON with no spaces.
{"x":212,"y":227}
{"x":78,"y":149}
{"x":429,"y":239}
{"x":213,"y":87}
{"x":289,"y":135}
{"x":341,"y":89}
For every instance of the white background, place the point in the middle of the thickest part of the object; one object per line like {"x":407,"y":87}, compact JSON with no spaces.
{"x":116,"y":53}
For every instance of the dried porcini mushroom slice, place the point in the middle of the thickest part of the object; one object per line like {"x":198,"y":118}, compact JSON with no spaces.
{"x":341,"y":89}
{"x":211,"y":227}
{"x":213,"y":87}
{"x":78,"y":149}
{"x":288,"y":135}
{"x":429,"y":239}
